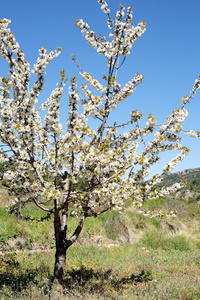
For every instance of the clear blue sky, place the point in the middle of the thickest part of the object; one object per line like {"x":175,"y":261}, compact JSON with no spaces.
{"x":167,"y":54}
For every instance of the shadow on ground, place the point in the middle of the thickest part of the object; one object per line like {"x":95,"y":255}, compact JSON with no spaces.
{"x":80,"y":279}
{"x":99,"y":280}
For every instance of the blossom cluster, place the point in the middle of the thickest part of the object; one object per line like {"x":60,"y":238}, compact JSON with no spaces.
{"x":123,"y":34}
{"x":193,"y":133}
{"x":49,"y":164}
{"x":93,"y":82}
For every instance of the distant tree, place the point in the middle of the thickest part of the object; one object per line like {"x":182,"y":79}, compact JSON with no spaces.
{"x":105,"y":162}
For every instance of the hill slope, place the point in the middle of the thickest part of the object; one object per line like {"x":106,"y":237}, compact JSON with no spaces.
{"x":191,"y":175}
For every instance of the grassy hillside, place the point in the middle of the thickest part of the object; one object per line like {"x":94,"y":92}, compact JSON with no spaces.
{"x":191,"y":175}
{"x":118,"y":256}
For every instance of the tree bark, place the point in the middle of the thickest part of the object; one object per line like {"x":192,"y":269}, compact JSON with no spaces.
{"x":60,"y":231}
{"x":60,"y":262}
{"x":62,"y":244}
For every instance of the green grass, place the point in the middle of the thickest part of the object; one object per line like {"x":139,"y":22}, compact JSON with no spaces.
{"x":148,"y":258}
{"x":12,"y":227}
{"x":125,"y":272}
{"x":158,"y":239}
{"x":154,"y":204}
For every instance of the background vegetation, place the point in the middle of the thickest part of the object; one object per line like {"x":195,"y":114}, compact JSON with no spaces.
{"x":118,"y":256}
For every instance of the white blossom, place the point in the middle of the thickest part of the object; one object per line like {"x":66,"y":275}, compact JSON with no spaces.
{"x":51,"y":158}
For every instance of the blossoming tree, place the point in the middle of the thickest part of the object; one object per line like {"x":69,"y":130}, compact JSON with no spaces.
{"x":48,"y":162}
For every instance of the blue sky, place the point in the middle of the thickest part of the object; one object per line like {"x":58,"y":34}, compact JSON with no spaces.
{"x":167,"y":54}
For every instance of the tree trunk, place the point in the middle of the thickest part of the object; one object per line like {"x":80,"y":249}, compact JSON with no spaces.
{"x":62,"y":244}
{"x":60,"y":259}
{"x":60,"y":262}
{"x":60,"y":256}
